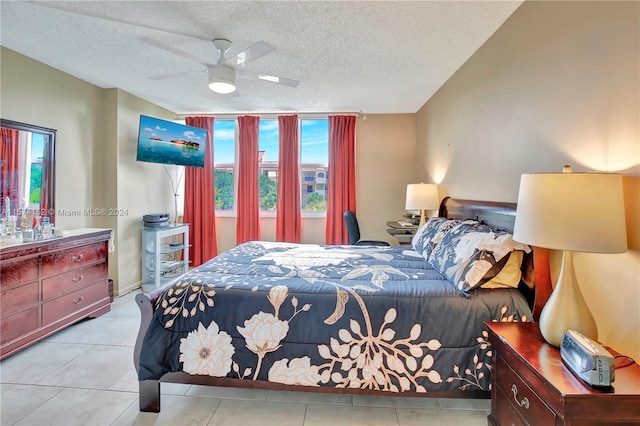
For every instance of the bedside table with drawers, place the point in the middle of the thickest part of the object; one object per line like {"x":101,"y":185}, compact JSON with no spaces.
{"x":532,"y":386}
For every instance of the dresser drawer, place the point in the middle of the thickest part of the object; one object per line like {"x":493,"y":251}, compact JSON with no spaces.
{"x":504,"y":412}
{"x":66,"y":260}
{"x":15,"y":274}
{"x":19,"y":298}
{"x":73,"y":280}
{"x":61,"y":307}
{"x":520,"y":396}
{"x":19,"y":324}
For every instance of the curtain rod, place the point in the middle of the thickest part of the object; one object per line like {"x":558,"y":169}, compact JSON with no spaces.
{"x":359,"y":115}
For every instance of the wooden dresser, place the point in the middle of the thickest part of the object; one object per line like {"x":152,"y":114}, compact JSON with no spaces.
{"x":48,"y":285}
{"x":531,"y":385}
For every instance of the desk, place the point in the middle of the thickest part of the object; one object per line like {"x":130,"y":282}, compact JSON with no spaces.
{"x":403,"y":234}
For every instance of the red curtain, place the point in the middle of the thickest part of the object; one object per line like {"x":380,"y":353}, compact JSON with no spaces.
{"x":288,"y":217}
{"x":199,"y":200}
{"x":341,"y":182}
{"x":9,"y":169}
{"x":248,"y":202}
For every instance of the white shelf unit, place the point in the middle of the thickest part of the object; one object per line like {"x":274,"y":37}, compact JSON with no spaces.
{"x":165,"y":255}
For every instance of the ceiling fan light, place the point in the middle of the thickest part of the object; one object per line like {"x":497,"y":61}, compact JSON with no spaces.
{"x":222,"y":79}
{"x":222,"y":87}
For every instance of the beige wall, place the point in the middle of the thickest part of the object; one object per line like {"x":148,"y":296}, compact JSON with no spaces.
{"x":556,"y":84}
{"x":142,"y":188}
{"x":385,"y":164}
{"x":37,"y":94}
{"x":385,"y":153}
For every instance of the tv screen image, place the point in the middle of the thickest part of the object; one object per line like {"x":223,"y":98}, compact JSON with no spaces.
{"x":166,"y":142}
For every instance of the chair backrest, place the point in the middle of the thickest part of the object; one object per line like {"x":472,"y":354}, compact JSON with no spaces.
{"x":352,"y":226}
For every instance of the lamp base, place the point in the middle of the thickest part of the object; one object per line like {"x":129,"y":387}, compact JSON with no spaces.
{"x":423,"y":218}
{"x":566,"y":308}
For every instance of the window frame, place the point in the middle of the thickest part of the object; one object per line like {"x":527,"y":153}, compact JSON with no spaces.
{"x":28,"y":175}
{"x":268,"y":213}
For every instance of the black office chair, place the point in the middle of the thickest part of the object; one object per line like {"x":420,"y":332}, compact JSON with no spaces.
{"x":354,"y":232}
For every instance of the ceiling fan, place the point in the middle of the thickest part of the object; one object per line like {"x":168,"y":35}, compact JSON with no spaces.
{"x":222,"y":75}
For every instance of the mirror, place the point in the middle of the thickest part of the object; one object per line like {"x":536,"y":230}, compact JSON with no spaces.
{"x":27,"y":170}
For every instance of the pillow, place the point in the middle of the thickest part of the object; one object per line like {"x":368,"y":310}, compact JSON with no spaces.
{"x":469,"y":250}
{"x":430,"y":234}
{"x":509,"y":275}
{"x":425,"y":233}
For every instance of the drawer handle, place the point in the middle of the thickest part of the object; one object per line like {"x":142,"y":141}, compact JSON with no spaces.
{"x":78,"y":300}
{"x":75,"y":258}
{"x":76,"y":280}
{"x":524,"y":403}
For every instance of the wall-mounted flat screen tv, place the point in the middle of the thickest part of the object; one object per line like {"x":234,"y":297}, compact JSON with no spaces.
{"x":166,"y":142}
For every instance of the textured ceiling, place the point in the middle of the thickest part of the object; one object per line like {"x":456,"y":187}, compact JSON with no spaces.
{"x":374,"y":57}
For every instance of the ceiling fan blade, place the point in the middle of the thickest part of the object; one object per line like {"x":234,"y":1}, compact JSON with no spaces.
{"x":53,"y":5}
{"x":175,"y":75}
{"x":175,"y":51}
{"x":258,"y":50}
{"x":266,"y":77}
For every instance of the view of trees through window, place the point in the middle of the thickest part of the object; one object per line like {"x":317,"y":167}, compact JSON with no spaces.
{"x":268,"y":154}
{"x":223,"y":179}
{"x":35,"y":170}
{"x":314,"y":159}
{"x":35,"y":183}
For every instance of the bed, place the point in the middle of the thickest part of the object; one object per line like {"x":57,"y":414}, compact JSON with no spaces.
{"x":399,"y":320}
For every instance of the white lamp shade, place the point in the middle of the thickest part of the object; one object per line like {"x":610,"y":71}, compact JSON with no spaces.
{"x":222,"y":79}
{"x":571,"y":211}
{"x":422,"y":196}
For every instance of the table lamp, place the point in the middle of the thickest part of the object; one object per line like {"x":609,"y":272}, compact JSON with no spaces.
{"x":567,"y":211}
{"x":422,"y":196}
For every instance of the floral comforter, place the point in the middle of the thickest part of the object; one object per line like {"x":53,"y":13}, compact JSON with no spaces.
{"x":341,"y":316}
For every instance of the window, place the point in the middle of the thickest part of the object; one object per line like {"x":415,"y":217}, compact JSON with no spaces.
{"x":314,"y":161}
{"x":268,"y":156}
{"x":224,"y":154}
{"x":35,"y":169}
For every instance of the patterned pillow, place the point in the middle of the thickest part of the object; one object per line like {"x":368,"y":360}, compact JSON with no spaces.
{"x":430,"y":234}
{"x":469,"y":250}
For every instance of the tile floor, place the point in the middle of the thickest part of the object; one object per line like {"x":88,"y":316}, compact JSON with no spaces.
{"x":84,"y":375}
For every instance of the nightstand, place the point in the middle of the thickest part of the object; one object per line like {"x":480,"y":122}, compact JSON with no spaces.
{"x":403,"y":234}
{"x":531,"y":385}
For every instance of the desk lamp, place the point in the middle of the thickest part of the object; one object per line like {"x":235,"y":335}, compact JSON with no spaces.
{"x":567,"y":211}
{"x":422,"y":196}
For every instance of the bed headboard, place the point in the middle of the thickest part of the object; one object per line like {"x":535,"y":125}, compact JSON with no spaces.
{"x":502,"y":215}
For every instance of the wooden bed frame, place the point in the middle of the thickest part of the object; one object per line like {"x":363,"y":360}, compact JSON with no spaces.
{"x":498,"y":214}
